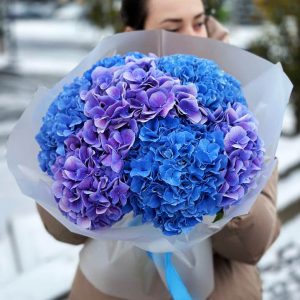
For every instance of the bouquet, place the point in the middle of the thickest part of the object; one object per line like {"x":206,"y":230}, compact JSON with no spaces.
{"x":157,"y":149}
{"x":169,"y":138}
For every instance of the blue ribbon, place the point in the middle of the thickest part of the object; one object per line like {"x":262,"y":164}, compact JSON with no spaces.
{"x":175,"y":284}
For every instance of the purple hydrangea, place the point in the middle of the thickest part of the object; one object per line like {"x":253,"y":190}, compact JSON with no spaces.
{"x":88,"y":193}
{"x":244,"y":150}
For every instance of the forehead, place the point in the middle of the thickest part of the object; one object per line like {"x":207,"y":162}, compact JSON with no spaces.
{"x":160,"y":10}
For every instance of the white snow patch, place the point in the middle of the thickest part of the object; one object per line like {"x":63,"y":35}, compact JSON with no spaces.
{"x":70,"y":11}
{"x":63,"y":31}
{"x":47,"y":66}
{"x":288,"y":152}
{"x":281,"y":265}
{"x":4,"y":60}
{"x":289,"y":190}
{"x":289,"y":121}
{"x":288,"y":234}
{"x":11,"y":198}
{"x":243,"y":36}
{"x":48,"y":281}
{"x":6,"y":127}
{"x":52,"y":46}
{"x":17,"y":100}
{"x":34,"y":244}
{"x":7,"y":260}
{"x":2,"y":153}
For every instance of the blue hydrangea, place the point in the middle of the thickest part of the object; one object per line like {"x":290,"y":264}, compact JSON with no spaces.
{"x":215,"y":87}
{"x":64,"y":117}
{"x":176,"y":173}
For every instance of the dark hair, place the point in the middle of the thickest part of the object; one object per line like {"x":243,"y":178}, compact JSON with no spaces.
{"x":134,"y":13}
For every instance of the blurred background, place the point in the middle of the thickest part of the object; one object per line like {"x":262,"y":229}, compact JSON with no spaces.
{"x":41,"y":41}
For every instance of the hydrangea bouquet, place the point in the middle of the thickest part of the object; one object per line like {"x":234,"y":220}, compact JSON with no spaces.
{"x":158,"y":150}
{"x":168,"y":138}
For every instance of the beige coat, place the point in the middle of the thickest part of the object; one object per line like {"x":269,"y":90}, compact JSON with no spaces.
{"x":237,"y":247}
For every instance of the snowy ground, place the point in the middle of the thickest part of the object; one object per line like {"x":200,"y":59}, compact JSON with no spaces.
{"x":280,"y":266}
{"x":243,"y":36}
{"x":39,"y":39}
{"x":47,"y":50}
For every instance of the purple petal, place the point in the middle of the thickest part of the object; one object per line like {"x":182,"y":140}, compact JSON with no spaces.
{"x":114,"y":213}
{"x":139,"y":74}
{"x":64,"y":204}
{"x":114,"y":92}
{"x":118,"y":191}
{"x":128,"y":137}
{"x":232,"y":178}
{"x":84,"y":222}
{"x":90,"y":134}
{"x":76,"y":206}
{"x":72,"y":142}
{"x":236,"y":138}
{"x":117,"y":162}
{"x":101,"y":123}
{"x":85,"y":184}
{"x":107,"y":161}
{"x":73,"y":164}
{"x":100,"y":210}
{"x":102,"y":76}
{"x":231,"y":115}
{"x":187,"y":89}
{"x":191,"y":109}
{"x":128,"y":76}
{"x":157,"y":100}
{"x":57,"y":189}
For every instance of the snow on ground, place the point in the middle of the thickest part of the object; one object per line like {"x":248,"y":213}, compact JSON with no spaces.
{"x":289,"y":121}
{"x":11,"y":198}
{"x":289,"y":233}
{"x":6,"y":127}
{"x":7,"y":261}
{"x":2,"y":154}
{"x":243,"y":36}
{"x":34,"y":244}
{"x":30,"y":255}
{"x":289,"y":190}
{"x":51,"y":46}
{"x":3,"y":60}
{"x":280,"y":266}
{"x":48,"y":281}
{"x":52,"y":30}
{"x":288,"y":152}
{"x":14,"y":101}
{"x":53,"y":65}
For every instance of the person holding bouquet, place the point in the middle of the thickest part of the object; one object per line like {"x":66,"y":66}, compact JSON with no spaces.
{"x":238,"y":247}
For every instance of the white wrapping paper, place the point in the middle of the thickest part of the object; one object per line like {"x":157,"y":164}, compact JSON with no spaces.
{"x":267,"y":90}
{"x":125,"y":271}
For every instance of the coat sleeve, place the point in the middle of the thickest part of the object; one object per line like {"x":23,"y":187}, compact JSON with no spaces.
{"x":246,"y":238}
{"x":57,"y":230}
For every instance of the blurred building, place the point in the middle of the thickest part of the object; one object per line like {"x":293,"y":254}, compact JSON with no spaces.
{"x":1,"y":26}
{"x":4,"y":34}
{"x":244,"y":12}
